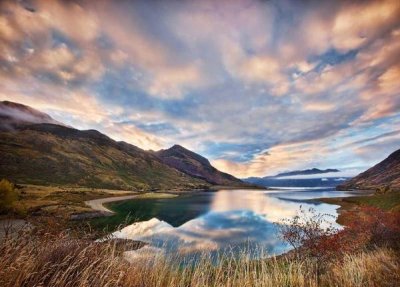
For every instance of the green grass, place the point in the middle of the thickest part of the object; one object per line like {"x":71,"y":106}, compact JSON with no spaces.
{"x":389,"y":201}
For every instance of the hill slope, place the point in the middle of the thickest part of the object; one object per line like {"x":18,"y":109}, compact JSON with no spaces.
{"x":48,"y":154}
{"x":384,"y":174}
{"x":197,"y":166}
{"x":51,"y":154}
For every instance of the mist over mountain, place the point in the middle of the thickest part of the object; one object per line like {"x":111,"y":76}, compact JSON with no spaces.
{"x":294,"y":178}
{"x":15,"y":114}
{"x":307,"y":172}
{"x":296,"y":182}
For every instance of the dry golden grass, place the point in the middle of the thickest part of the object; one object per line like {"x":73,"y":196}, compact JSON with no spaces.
{"x":48,"y":260}
{"x":376,"y":268}
{"x":59,"y":201}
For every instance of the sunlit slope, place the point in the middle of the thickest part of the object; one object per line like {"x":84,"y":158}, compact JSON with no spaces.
{"x":52,"y":154}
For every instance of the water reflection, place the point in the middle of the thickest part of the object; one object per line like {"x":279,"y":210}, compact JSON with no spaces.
{"x":234,"y":219}
{"x":273,"y":209}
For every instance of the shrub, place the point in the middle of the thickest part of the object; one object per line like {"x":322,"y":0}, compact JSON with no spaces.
{"x":8,"y":196}
{"x":311,"y":235}
{"x":370,"y":226}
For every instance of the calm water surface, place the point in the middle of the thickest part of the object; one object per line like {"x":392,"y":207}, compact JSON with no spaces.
{"x":217,"y":221}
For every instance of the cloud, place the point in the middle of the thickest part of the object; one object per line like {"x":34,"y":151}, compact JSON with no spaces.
{"x":373,"y":19}
{"x":230,"y":80}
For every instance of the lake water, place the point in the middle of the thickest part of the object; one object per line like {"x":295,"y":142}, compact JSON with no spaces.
{"x":226,"y":220}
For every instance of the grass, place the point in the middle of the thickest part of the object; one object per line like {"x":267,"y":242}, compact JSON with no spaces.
{"x":39,"y":203}
{"x":388,"y":202}
{"x":44,"y":260}
{"x":59,"y":200}
{"x":47,"y":257}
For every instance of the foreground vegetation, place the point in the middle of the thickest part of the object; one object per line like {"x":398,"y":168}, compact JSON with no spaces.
{"x":52,"y":252}
{"x":365,"y":253}
{"x":8,"y":196}
{"x":62,"y":261}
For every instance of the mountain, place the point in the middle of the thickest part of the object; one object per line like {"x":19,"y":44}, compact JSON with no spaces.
{"x":284,"y":180}
{"x":196,"y":166}
{"x":385,"y":174}
{"x":296,"y":182}
{"x":35,"y":149}
{"x":14,"y":114}
{"x":307,"y":172}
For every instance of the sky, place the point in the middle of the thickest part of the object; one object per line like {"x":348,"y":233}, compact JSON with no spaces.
{"x":258,"y":87}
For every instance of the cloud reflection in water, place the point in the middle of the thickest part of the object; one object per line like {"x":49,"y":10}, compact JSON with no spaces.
{"x":236,"y":219}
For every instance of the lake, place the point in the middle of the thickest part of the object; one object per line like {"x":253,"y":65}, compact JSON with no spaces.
{"x":221,"y":221}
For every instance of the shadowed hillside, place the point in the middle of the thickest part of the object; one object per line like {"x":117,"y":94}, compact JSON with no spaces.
{"x":385,"y":174}
{"x":197,"y":166}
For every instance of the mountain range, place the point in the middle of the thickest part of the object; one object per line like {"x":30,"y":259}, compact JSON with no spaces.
{"x":284,"y":179}
{"x":384,"y":175}
{"x":37,"y":149}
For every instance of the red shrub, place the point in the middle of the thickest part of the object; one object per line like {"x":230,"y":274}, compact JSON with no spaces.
{"x":371,"y":226}
{"x":311,"y":235}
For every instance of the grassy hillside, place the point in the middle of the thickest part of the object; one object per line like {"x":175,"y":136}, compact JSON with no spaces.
{"x":384,"y":175}
{"x":48,"y":154}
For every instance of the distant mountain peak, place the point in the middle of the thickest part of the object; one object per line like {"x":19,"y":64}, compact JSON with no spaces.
{"x":195,"y":165}
{"x":307,"y":172}
{"x":176,"y":146}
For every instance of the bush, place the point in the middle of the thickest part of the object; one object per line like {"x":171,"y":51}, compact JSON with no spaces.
{"x":308,"y":233}
{"x":311,"y":235}
{"x":369,"y":227}
{"x":8,"y":196}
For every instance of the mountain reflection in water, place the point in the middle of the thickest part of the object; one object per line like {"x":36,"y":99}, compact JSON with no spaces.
{"x":231,"y":220}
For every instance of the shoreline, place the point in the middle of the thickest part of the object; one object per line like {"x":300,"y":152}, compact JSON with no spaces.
{"x":99,"y":208}
{"x":387,"y":201}
{"x":98,"y":204}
